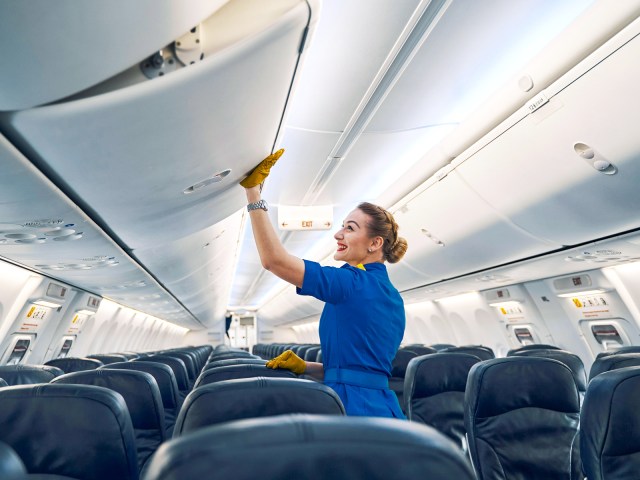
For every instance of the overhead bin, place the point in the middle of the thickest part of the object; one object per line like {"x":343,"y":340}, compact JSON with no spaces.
{"x":75,"y":45}
{"x":159,"y":159}
{"x":568,"y":171}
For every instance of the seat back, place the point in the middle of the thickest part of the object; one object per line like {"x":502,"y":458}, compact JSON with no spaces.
{"x":142,"y":397}
{"x":254,"y":397}
{"x":178,"y":367}
{"x":189,"y":363}
{"x":28,"y":374}
{"x":621,"y":350}
{"x":569,"y":359}
{"x":106,"y":359}
{"x":533,"y":346}
{"x":610,"y":426}
{"x":75,"y":364}
{"x":311,"y":354}
{"x":521,"y":417}
{"x":441,"y":346}
{"x":231,"y":372}
{"x":613,"y":362}
{"x":398,"y":371}
{"x":166,"y":380}
{"x":434,"y":392}
{"x":421,"y":349}
{"x":480,"y":351}
{"x":312,"y":447}
{"x":234,"y":361}
{"x":79,"y":431}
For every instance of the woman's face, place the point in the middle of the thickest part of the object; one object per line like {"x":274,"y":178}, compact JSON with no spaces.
{"x":353,"y":239}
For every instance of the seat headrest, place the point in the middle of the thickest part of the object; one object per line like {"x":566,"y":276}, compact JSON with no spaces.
{"x":533,"y":346}
{"x":311,"y":446}
{"x":109,"y":358}
{"x":177,"y":365}
{"x":613,"y":362}
{"x":483,"y":353}
{"x":78,"y":431}
{"x":234,"y":361}
{"x":73,"y":364}
{"x":28,"y":374}
{"x":254,"y":397}
{"x":610,"y":425}
{"x":231,"y":372}
{"x":500,"y":385}
{"x":139,"y":390}
{"x":569,"y":359}
{"x":163,"y":375}
{"x":401,"y":361}
{"x":437,"y":373}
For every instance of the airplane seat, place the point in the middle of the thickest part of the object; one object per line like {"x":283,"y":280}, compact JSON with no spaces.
{"x":231,"y":372}
{"x":167,"y":385}
{"x":179,"y":370}
{"x":619,"y":351}
{"x":434,"y":392}
{"x":232,"y":356}
{"x":189,"y":363}
{"x":441,"y":346}
{"x":234,"y":361}
{"x":28,"y":374}
{"x":610,"y":426}
{"x":319,"y":356}
{"x":106,"y":359}
{"x":533,"y":346}
{"x":74,"y":364}
{"x":77,"y":431}
{"x":480,"y":351}
{"x":311,"y":447}
{"x":569,"y":359}
{"x":522,"y":416}
{"x":142,"y":398}
{"x":311,"y":354}
{"x":398,"y":371}
{"x":254,"y":397}
{"x":3,"y":383}
{"x":422,"y":349}
{"x":612,"y":362}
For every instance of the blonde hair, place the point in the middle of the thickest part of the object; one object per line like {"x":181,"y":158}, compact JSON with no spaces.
{"x":382,"y":224}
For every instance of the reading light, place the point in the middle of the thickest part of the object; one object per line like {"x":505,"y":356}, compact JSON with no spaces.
{"x":47,"y":303}
{"x":85,"y":312}
{"x":582,"y":293}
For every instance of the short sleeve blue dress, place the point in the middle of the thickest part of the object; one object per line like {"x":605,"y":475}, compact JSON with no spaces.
{"x":361,"y":327}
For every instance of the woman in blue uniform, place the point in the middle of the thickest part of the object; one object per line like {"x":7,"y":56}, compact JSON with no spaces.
{"x":362,"y":323}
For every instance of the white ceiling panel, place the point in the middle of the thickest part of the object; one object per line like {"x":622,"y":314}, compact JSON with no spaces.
{"x":534,"y":173}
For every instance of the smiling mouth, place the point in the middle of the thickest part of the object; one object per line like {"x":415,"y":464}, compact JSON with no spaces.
{"x":341,"y":248}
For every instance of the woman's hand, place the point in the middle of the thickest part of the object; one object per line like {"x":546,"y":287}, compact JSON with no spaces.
{"x":261,"y":171}
{"x":289,"y":361}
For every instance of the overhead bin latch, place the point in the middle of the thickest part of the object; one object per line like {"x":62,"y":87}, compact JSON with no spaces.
{"x":186,"y":50}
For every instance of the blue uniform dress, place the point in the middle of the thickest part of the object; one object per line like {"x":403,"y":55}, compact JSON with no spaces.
{"x":361,"y":327}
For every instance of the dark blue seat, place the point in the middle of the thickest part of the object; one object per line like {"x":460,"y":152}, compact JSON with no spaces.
{"x":398,"y":371}
{"x":533,"y":346}
{"x":569,"y":359}
{"x":254,"y":397}
{"x":521,"y":417}
{"x":142,"y":397}
{"x":621,"y":350}
{"x":313,"y":447}
{"x":179,"y":370}
{"x":107,"y":358}
{"x":167,"y":385}
{"x":610,"y":426}
{"x":75,"y":364}
{"x":234,"y":361}
{"x":613,"y":362}
{"x":434,"y":392}
{"x":77,"y":431}
{"x":231,"y":372}
{"x":28,"y":374}
{"x":480,"y":351}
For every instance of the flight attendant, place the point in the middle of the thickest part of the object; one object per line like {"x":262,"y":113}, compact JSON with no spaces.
{"x":363,"y":320}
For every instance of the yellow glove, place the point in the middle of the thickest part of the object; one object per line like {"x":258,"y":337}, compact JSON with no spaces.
{"x":289,"y":361}
{"x":257,"y":176}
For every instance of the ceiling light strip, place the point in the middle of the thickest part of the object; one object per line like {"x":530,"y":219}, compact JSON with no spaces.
{"x":424,"y":19}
